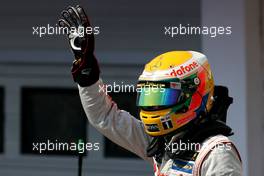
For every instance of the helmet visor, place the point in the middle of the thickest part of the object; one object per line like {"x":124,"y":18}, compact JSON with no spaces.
{"x":157,"y":96}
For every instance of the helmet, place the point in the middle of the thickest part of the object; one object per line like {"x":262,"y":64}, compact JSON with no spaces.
{"x":174,"y":89}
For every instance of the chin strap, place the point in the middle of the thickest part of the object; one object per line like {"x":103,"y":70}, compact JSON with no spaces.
{"x":156,"y":148}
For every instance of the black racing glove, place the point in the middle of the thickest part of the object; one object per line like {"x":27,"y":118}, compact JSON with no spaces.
{"x":85,"y":69}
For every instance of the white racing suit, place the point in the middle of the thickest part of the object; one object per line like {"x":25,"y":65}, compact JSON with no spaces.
{"x":128,"y":132}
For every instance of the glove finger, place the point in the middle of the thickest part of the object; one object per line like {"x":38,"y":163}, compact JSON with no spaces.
{"x":74,"y":14}
{"x":65,"y":25}
{"x":83,"y":16}
{"x":65,"y":14}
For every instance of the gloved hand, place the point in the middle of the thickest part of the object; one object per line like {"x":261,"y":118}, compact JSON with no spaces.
{"x":85,"y":69}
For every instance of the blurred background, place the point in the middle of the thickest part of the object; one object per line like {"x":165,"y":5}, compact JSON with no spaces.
{"x":39,"y":101}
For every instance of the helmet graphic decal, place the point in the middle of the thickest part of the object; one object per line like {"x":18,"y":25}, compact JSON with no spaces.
{"x":187,"y":88}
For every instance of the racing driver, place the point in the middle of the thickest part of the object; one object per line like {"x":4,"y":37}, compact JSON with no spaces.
{"x":178,"y":102}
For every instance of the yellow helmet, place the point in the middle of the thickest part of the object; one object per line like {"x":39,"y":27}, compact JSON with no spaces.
{"x":174,"y":88}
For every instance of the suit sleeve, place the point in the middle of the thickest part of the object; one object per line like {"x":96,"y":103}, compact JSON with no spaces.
{"x":117,"y":125}
{"x":222,"y":162}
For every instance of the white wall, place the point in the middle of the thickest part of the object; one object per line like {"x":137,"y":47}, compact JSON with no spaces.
{"x":227,"y":57}
{"x":236,"y":63}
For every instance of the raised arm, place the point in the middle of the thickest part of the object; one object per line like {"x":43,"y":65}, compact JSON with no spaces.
{"x":117,"y":125}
